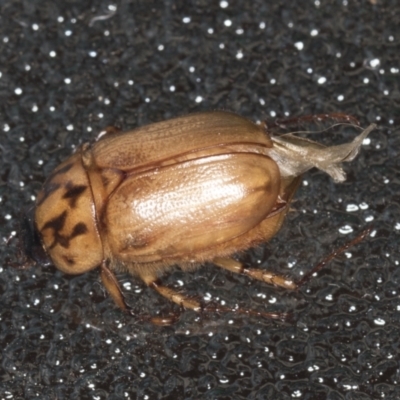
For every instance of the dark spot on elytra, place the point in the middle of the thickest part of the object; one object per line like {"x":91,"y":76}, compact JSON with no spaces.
{"x":73,"y":192}
{"x":57,"y":224}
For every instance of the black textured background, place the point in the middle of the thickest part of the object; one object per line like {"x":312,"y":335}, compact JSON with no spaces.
{"x":65,"y":74}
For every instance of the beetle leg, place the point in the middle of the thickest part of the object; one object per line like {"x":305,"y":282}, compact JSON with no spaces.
{"x":255,"y":273}
{"x":195,"y":305}
{"x":333,"y":255}
{"x":152,"y":281}
{"x":280,"y":280}
{"x":110,"y":282}
{"x":113,"y":288}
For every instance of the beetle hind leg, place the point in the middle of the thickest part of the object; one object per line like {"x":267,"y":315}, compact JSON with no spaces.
{"x":196,"y":305}
{"x":178,"y":298}
{"x":265,"y":276}
{"x":280,"y":280}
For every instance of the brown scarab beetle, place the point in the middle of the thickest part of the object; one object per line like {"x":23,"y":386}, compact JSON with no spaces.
{"x":185,"y":191}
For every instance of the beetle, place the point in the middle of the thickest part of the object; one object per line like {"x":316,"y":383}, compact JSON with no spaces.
{"x":181,"y":192}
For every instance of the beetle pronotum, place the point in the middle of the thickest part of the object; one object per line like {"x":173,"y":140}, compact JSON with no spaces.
{"x":185,"y":191}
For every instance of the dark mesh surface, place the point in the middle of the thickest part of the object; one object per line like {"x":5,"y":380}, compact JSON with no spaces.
{"x":64,"y":76}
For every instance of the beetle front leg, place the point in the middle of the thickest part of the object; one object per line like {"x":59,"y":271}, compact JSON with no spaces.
{"x":110,"y":282}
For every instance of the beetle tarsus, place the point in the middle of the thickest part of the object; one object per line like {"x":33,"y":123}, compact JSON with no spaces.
{"x":219,"y":309}
{"x":282,"y":280}
{"x":333,"y":255}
